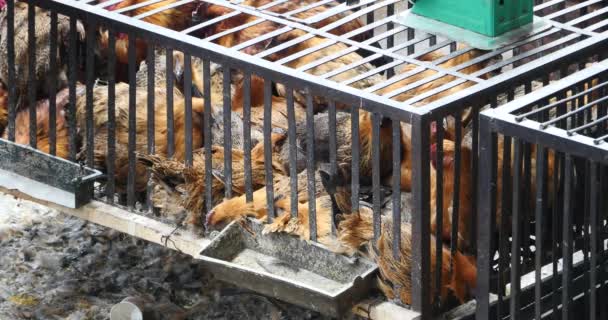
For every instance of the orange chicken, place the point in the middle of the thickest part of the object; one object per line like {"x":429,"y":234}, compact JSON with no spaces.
{"x":100,"y":115}
{"x":22,"y":126}
{"x":237,"y":207}
{"x":465,"y":195}
{"x":279,"y":107}
{"x":191,"y":181}
{"x":356,"y":233}
{"x":177,"y":18}
{"x":42,"y":65}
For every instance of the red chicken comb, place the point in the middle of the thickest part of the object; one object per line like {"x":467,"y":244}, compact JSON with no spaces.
{"x":434,"y":155}
{"x":2,"y":4}
{"x":447,"y":159}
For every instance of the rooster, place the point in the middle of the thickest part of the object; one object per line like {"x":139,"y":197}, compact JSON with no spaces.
{"x":42,"y":66}
{"x":356,"y":235}
{"x":177,"y":18}
{"x":22,"y":125}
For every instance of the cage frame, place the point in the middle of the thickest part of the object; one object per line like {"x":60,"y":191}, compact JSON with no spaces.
{"x":503,"y":121}
{"x":419,"y":117}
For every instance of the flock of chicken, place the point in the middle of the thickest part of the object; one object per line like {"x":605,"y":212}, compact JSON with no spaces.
{"x":355,"y":229}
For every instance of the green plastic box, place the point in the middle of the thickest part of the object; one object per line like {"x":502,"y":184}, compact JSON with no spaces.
{"x":487,"y":17}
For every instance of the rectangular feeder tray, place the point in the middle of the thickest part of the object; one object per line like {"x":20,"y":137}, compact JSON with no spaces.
{"x":284,"y":267}
{"x":45,"y":177}
{"x":473,"y":39}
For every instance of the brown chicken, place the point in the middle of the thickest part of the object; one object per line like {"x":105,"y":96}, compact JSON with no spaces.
{"x":260,"y":29}
{"x":191,"y":181}
{"x":244,"y":35}
{"x":434,"y":84}
{"x":279,"y":115}
{"x":321,"y":69}
{"x":355,"y":234}
{"x":345,"y":142}
{"x":42,"y":66}
{"x":500,"y":176}
{"x":100,"y":115}
{"x":177,"y":18}
{"x":465,"y":195}
{"x":22,"y":126}
{"x":238,"y":207}
{"x":3,"y":109}
{"x":356,"y":230}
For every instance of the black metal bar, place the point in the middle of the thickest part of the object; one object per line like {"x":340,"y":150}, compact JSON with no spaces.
{"x":151,"y":136}
{"x":438,"y":209}
{"x":526,"y":206}
{"x":310,"y":165}
{"x":516,"y":236}
{"x":355,"y":164}
{"x":333,"y":152}
{"x":456,"y":198}
{"x":72,"y":76}
{"x":268,"y":148}
{"x":10,"y":34}
{"x":420,"y":218}
{"x":584,"y":232}
{"x":188,"y":106}
{"x":90,"y":76}
{"x":601,"y":252}
{"x":247,"y":136}
{"x":506,"y":203}
{"x":397,"y":188}
{"x":376,"y":175}
{"x":293,"y":170}
{"x":390,"y":41}
{"x":474,"y":168}
{"x":32,"y":79}
{"x":170,"y":121}
{"x":486,"y":188}
{"x":227,"y":95}
{"x":556,"y":220}
{"x":132,"y":123}
{"x":567,"y":238}
{"x":207,"y":135}
{"x":593,"y":226}
{"x":111,"y":125}
{"x":539,"y":224}
{"x":53,"y":85}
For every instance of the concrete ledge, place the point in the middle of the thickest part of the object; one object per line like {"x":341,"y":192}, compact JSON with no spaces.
{"x":186,"y":242}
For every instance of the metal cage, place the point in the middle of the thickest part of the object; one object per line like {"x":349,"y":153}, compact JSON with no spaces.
{"x":541,"y":180}
{"x":402,"y":90}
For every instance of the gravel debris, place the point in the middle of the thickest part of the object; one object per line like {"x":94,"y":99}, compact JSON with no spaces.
{"x":54,"y":266}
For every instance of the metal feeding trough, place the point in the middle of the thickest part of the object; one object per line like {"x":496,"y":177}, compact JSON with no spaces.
{"x":45,"y":177}
{"x":284,"y":267}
